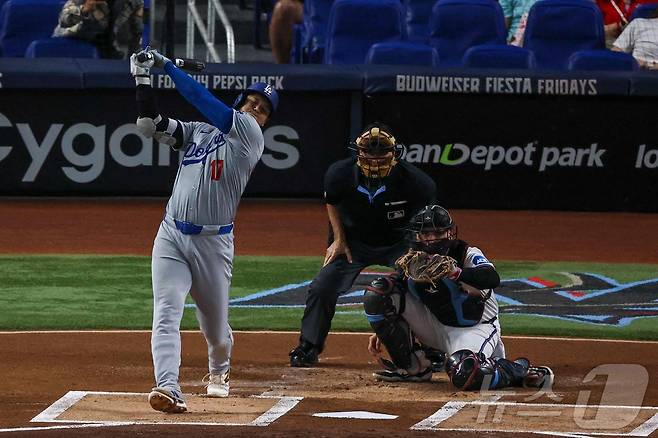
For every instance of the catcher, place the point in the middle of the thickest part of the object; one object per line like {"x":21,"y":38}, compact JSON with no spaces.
{"x":442,"y":296}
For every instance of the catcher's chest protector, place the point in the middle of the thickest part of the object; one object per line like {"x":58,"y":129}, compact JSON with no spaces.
{"x":447,"y":301}
{"x":457,"y":250}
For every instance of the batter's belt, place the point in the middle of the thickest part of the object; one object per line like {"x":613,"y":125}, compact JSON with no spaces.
{"x":202,"y":230}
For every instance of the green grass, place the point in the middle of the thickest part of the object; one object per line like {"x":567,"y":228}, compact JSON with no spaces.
{"x":103,"y":292}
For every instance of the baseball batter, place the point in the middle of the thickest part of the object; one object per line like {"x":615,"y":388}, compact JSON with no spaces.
{"x":455,"y":312}
{"x":193,"y":249}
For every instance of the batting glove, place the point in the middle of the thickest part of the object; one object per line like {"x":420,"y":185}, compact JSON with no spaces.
{"x":141,"y":70}
{"x":159,"y":60}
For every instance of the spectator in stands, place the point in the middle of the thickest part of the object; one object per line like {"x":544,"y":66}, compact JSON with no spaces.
{"x":286,"y":14}
{"x":516,"y":16}
{"x":615,"y":17}
{"x":640,"y":38}
{"x":114,"y":26}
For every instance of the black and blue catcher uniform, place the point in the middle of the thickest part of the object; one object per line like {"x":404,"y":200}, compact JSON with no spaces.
{"x":456,"y":314}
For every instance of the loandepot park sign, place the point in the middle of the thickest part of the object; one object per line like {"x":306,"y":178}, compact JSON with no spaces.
{"x":530,"y":155}
{"x":585,"y":297}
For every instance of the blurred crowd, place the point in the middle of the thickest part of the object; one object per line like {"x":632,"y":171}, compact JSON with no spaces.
{"x":113,"y":26}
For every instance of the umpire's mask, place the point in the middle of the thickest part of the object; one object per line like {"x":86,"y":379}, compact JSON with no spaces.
{"x":377,"y":152}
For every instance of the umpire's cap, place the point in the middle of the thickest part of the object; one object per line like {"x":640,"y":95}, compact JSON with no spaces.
{"x":265,"y":90}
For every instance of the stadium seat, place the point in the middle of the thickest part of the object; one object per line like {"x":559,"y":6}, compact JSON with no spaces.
{"x":313,"y":30}
{"x":644,"y":10}
{"x":402,"y":53}
{"x":417,"y":16}
{"x":602,"y":60}
{"x":61,"y":48}
{"x":457,"y":25}
{"x":558,"y":28}
{"x":24,"y":21}
{"x":499,"y":56}
{"x":355,"y":25}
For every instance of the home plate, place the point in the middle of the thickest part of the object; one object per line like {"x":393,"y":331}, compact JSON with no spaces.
{"x":113,"y":408}
{"x":361,"y":415}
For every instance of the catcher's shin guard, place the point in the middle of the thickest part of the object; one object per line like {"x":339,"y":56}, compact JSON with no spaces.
{"x":392,"y":330}
{"x":470,"y":371}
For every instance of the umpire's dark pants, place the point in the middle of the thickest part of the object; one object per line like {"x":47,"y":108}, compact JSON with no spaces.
{"x":337,"y":278}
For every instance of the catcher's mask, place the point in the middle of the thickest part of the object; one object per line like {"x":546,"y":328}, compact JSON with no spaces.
{"x":377,"y":152}
{"x":431,"y":230}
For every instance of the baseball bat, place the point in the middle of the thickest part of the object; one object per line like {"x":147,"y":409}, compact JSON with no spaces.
{"x":187,"y":64}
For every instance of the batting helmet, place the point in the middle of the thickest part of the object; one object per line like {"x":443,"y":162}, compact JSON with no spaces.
{"x":263,"y":89}
{"x":431,"y":219}
{"x":377,"y":152}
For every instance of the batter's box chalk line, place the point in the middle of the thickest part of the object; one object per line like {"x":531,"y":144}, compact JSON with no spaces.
{"x":433,"y":422}
{"x":50,"y":414}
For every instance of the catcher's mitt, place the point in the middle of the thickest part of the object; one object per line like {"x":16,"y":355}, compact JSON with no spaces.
{"x":426,"y":268}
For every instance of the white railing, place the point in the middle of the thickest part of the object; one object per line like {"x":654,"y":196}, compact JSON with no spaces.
{"x":208,"y":33}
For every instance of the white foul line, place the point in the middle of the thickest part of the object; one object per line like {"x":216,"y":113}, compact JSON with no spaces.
{"x":451,"y":408}
{"x":646,"y":428}
{"x":448,"y":410}
{"x":282,"y":407}
{"x":59,"y":407}
{"x":71,"y":426}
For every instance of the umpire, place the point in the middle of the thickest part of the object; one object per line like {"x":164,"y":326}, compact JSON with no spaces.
{"x":369,"y":198}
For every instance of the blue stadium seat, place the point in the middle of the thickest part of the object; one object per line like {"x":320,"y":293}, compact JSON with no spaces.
{"x":457,"y":25}
{"x":558,"y":28}
{"x":61,"y":48}
{"x":316,"y":19}
{"x":355,"y":25}
{"x":644,"y":10}
{"x":499,"y":56}
{"x":602,"y":60}
{"x":24,"y":21}
{"x":402,"y":53}
{"x":417,"y":17}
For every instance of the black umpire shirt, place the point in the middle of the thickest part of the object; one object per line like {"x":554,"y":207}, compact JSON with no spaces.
{"x":377,"y":218}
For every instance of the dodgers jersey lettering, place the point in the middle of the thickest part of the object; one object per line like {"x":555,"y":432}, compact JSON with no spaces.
{"x":215,"y":170}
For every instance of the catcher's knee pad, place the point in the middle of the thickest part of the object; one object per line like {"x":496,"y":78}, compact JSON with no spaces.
{"x":380,"y":299}
{"x":470,"y":371}
{"x":467,"y":370}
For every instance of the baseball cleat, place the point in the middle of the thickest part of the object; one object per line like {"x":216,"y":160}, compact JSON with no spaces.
{"x":400,"y":375}
{"x":167,"y":400}
{"x":217,"y":385}
{"x":305,"y":355}
{"x":539,"y":377}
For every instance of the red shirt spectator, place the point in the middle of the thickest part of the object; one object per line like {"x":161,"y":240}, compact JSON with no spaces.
{"x":612,"y":17}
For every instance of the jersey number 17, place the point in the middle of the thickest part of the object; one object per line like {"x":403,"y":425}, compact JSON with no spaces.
{"x":216,"y":168}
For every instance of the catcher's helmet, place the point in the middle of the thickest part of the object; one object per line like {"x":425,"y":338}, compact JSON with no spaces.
{"x":431,"y":219}
{"x":377,"y":152}
{"x":265,"y":90}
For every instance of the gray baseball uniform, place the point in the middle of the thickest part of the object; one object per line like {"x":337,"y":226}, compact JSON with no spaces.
{"x":193,"y":250}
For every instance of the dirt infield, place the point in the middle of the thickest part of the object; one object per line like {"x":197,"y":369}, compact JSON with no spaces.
{"x":39,"y":368}
{"x":128,"y":226}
